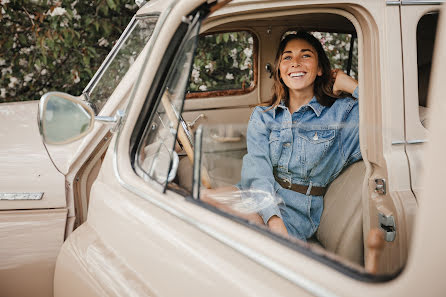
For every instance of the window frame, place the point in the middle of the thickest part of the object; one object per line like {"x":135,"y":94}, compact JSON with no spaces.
{"x":154,"y":96}
{"x":93,"y":83}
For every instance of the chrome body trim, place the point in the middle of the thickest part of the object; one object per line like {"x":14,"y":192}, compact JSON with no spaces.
{"x":398,"y":142}
{"x":106,"y":119}
{"x":197,"y":163}
{"x":413,"y":141}
{"x":297,"y":279}
{"x":21,"y":196}
{"x":415,"y":2}
{"x":416,"y":141}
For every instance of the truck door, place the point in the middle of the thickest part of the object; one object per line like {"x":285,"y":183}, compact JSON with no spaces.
{"x":419,"y":24}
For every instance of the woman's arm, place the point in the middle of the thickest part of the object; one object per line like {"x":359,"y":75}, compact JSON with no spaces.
{"x":343,"y":82}
{"x":257,"y":169}
{"x":276,"y":224}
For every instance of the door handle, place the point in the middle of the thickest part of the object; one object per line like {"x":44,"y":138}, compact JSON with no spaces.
{"x":387,"y":224}
{"x":192,"y":124}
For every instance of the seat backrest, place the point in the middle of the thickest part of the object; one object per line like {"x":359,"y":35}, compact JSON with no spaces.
{"x":340,"y":230}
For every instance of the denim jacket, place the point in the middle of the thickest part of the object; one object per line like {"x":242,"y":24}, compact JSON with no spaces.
{"x":310,"y":147}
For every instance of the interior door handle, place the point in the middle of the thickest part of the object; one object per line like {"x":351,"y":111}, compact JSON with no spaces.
{"x":192,"y":124}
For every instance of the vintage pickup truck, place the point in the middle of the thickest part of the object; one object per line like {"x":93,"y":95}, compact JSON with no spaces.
{"x":100,"y":199}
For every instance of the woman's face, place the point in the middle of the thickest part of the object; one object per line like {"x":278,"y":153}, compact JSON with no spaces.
{"x":299,"y":66}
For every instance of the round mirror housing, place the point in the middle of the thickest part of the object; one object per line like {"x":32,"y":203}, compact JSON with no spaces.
{"x":64,"y":118}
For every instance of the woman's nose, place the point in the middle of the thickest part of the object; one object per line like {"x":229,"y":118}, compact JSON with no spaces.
{"x":295,"y":62}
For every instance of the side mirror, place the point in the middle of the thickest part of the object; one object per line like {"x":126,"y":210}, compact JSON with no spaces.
{"x":64,"y":118}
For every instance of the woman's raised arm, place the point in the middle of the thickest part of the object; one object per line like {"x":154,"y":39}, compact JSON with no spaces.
{"x":343,"y":82}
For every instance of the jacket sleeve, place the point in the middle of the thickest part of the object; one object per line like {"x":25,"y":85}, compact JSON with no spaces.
{"x":257,"y":169}
{"x":350,"y":133}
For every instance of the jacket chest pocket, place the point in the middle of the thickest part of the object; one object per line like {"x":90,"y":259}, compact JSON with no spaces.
{"x":315,"y":144}
{"x":275,"y":146}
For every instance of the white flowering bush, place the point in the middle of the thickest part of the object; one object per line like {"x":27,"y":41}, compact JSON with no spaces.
{"x":337,"y":47}
{"x":223,"y":61}
{"x":56,"y":45}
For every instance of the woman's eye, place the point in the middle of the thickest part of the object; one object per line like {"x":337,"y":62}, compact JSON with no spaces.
{"x":287,"y":58}
{"x":306,"y":56}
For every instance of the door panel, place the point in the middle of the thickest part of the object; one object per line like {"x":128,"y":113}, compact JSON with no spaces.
{"x":416,"y":133}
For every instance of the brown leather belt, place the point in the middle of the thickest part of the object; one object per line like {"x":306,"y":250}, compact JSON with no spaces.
{"x":315,"y":191}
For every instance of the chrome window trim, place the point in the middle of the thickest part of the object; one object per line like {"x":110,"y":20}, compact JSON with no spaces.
{"x":137,"y":165}
{"x":112,"y":54}
{"x":109,"y":58}
{"x":155,"y":35}
{"x":414,"y":2}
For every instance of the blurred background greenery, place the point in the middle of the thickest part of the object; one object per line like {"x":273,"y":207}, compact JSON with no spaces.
{"x":51,"y":45}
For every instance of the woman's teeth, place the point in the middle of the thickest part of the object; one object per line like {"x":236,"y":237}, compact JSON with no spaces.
{"x":297,"y":74}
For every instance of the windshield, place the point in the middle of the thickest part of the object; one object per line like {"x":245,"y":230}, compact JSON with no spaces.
{"x":118,"y":62}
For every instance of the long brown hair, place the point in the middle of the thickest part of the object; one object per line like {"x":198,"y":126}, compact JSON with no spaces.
{"x":323,"y":85}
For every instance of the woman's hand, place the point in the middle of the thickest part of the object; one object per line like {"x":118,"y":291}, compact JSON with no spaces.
{"x":343,"y":82}
{"x":276,"y":225}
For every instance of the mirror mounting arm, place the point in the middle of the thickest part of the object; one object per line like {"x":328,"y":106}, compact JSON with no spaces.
{"x":116,"y":120}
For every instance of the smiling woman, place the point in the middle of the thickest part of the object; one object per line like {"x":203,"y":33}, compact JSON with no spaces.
{"x":302,"y":139}
{"x":299,"y":68}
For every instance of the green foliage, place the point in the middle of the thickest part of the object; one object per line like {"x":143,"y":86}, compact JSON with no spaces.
{"x":223,"y":61}
{"x":56,"y":45}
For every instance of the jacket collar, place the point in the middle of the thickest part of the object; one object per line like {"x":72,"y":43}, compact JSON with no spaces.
{"x":315,"y":106}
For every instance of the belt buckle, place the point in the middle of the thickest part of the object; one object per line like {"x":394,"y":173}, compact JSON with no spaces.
{"x":289,"y":183}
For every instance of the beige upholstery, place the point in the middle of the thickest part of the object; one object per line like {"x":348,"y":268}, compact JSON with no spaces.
{"x":185,"y":173}
{"x":340,"y":230}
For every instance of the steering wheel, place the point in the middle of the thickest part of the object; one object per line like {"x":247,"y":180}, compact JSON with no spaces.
{"x":184,"y":136}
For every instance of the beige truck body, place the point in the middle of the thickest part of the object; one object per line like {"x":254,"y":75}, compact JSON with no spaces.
{"x":79,"y":219}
